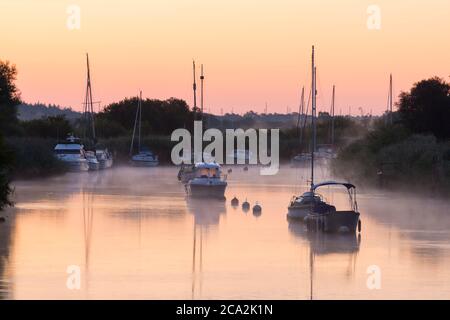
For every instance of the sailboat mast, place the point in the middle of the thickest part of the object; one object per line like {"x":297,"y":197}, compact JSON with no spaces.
{"x":202,"y":77}
{"x":140,"y":120}
{"x":194,"y":87}
{"x":332,"y":115}
{"x":134,"y":129}
{"x":390,"y":98}
{"x":313,"y":113}
{"x":300,"y":113}
{"x":88,"y":106}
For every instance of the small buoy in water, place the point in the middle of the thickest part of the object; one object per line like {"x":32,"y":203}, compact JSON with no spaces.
{"x":257,"y":209}
{"x":230,"y":170}
{"x":245,"y":206}
{"x":245,"y":168}
{"x":235,"y":202}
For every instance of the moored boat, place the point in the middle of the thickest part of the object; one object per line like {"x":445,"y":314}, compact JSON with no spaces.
{"x":104,"y":157}
{"x":145,"y":158}
{"x":207,"y":182}
{"x":324,"y":217}
{"x":72,"y":153}
{"x":93,"y":163}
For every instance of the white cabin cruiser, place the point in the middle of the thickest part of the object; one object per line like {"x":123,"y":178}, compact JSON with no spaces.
{"x":207,"y":181}
{"x":72,"y":153}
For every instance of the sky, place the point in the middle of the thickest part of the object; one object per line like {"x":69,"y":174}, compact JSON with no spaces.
{"x":254,"y":51}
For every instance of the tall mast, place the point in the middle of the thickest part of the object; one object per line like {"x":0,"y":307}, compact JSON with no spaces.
{"x":202,"y":77}
{"x":194,"y":87}
{"x":300,"y":114}
{"x":140,"y":120}
{"x":390,"y":98}
{"x":332,"y":116}
{"x":137,"y":118}
{"x":313,"y":114}
{"x":88,"y":105}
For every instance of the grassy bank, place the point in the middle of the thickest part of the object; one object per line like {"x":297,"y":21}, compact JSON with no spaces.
{"x":392,"y":157}
{"x":33,"y":157}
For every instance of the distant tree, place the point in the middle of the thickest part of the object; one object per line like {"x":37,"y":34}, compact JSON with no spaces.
{"x":426,"y":108}
{"x":158,"y":117}
{"x":57,"y":127}
{"x":109,"y":128}
{"x":9,"y":98}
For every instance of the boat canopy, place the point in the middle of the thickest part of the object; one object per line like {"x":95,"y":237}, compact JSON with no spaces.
{"x":328,"y":183}
{"x":206,"y":165}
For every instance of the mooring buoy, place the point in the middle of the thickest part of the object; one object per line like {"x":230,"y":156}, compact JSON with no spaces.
{"x":245,"y":205}
{"x":235,"y":202}
{"x":257,"y":209}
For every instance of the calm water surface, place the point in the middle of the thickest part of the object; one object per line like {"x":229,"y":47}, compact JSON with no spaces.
{"x":135,"y":235}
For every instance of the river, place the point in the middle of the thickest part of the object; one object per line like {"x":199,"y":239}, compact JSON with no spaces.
{"x":131,"y":233}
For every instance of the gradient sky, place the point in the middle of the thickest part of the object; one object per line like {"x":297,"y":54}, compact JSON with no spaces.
{"x":253,"y":51}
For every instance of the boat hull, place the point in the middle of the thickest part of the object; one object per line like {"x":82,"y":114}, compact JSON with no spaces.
{"x":333,"y":222}
{"x":93,"y":166}
{"x":77,"y":166}
{"x":105,"y":164}
{"x":207,"y":191}
{"x":298,"y":212}
{"x":143,"y":163}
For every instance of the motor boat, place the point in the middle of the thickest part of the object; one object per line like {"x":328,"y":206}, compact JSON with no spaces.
{"x":324,"y":217}
{"x":104,"y":157}
{"x":72,"y":153}
{"x":94,"y":164}
{"x":145,"y":158}
{"x":207,"y":181}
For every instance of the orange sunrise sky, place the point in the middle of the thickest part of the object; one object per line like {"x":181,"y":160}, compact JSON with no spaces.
{"x":253,"y":51}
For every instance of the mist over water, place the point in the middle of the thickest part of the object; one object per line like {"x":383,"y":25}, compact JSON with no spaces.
{"x":135,"y":235}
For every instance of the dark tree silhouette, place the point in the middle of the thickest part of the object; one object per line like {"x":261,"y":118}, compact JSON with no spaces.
{"x":158,"y":117}
{"x":426,"y":108}
{"x":5,"y":166}
{"x":57,"y":127}
{"x":9,"y":98}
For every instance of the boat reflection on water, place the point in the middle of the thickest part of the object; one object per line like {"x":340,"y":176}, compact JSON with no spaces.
{"x":206,"y":216}
{"x":88,"y":223}
{"x":206,"y":213}
{"x":325,"y":244}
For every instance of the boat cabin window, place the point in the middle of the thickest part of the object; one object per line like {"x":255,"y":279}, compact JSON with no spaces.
{"x":211,"y":173}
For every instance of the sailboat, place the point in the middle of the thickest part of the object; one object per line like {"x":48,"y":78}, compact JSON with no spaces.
{"x":316,"y":213}
{"x":144,"y":156}
{"x":98,"y":156}
{"x":300,"y":206}
{"x":89,"y":124}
